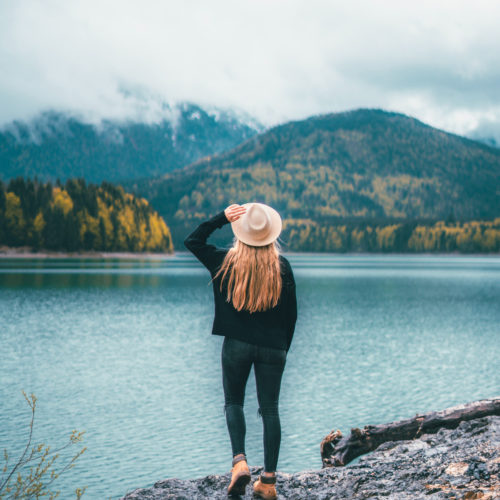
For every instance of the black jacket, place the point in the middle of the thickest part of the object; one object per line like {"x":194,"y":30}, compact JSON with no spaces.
{"x":271,"y":328}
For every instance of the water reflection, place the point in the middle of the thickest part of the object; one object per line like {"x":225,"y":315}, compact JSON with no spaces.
{"x":79,"y":280}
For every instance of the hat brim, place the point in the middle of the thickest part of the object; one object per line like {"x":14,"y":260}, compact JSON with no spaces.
{"x":242,"y":235}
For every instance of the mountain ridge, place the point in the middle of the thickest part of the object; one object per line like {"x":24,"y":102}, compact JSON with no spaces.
{"x":358,"y":164}
{"x":60,"y":145}
{"x":246,"y":145}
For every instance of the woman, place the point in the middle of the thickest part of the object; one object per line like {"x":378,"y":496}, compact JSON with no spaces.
{"x":256,"y":311}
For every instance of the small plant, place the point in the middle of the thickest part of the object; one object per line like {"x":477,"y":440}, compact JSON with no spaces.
{"x":37,"y":466}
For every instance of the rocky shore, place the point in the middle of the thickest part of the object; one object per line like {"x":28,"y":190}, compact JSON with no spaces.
{"x":460,"y":463}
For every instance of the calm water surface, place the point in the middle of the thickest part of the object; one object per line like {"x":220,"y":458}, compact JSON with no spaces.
{"x":122,"y":350}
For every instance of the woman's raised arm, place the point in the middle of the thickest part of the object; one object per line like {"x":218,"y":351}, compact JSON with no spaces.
{"x":196,"y":242}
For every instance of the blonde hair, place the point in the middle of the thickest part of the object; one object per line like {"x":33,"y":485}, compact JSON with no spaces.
{"x":253,"y":276}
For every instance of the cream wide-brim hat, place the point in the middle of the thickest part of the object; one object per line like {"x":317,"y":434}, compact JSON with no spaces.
{"x":260,"y":225}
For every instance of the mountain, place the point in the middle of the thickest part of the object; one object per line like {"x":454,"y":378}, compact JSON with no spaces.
{"x":57,"y":145}
{"x":362,"y":164}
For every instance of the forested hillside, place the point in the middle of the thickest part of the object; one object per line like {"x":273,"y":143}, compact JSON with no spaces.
{"x":54,"y":145}
{"x":76,"y":216}
{"x":370,"y":167}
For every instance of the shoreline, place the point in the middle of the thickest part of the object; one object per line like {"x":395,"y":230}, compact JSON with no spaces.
{"x":28,"y":253}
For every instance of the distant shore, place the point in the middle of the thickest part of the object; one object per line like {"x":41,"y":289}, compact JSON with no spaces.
{"x":28,"y":253}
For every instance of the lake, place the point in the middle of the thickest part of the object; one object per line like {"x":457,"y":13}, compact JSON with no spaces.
{"x":122,"y":350}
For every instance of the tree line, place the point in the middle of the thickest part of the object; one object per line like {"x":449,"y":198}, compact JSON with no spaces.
{"x":77,"y":216}
{"x":404,"y":236}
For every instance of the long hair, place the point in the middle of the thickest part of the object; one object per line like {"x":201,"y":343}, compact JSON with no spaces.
{"x":253,"y":276}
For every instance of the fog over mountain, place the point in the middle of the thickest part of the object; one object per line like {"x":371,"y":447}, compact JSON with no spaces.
{"x":279,"y":61}
{"x":487,"y":133}
{"x":64,"y":145}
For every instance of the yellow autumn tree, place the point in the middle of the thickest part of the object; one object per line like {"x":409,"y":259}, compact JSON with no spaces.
{"x":61,"y":200}
{"x":14,"y":219}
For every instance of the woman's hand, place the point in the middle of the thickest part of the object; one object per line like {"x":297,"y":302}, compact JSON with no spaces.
{"x":234,"y":212}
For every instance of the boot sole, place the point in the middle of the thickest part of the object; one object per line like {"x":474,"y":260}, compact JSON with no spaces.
{"x":263,"y":496}
{"x":241,"y":482}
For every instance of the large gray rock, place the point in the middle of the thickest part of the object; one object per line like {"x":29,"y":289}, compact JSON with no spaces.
{"x":463,"y":463}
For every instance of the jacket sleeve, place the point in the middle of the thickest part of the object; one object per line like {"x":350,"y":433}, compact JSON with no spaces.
{"x":291,"y":309}
{"x":196,"y":242}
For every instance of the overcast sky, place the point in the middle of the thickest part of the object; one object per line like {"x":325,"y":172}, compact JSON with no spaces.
{"x":275,"y":59}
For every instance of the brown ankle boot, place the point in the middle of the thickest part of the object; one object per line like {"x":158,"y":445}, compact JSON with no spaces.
{"x":240,"y":476}
{"x":265,"y":487}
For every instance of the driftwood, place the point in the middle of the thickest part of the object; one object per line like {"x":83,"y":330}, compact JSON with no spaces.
{"x":337,"y":450}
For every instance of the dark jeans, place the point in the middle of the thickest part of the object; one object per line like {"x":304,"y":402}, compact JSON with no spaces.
{"x":269,"y":363}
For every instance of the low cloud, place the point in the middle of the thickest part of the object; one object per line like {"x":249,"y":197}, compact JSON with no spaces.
{"x":276,"y":59}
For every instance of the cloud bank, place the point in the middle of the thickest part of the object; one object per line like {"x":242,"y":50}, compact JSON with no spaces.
{"x":275,"y":59}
